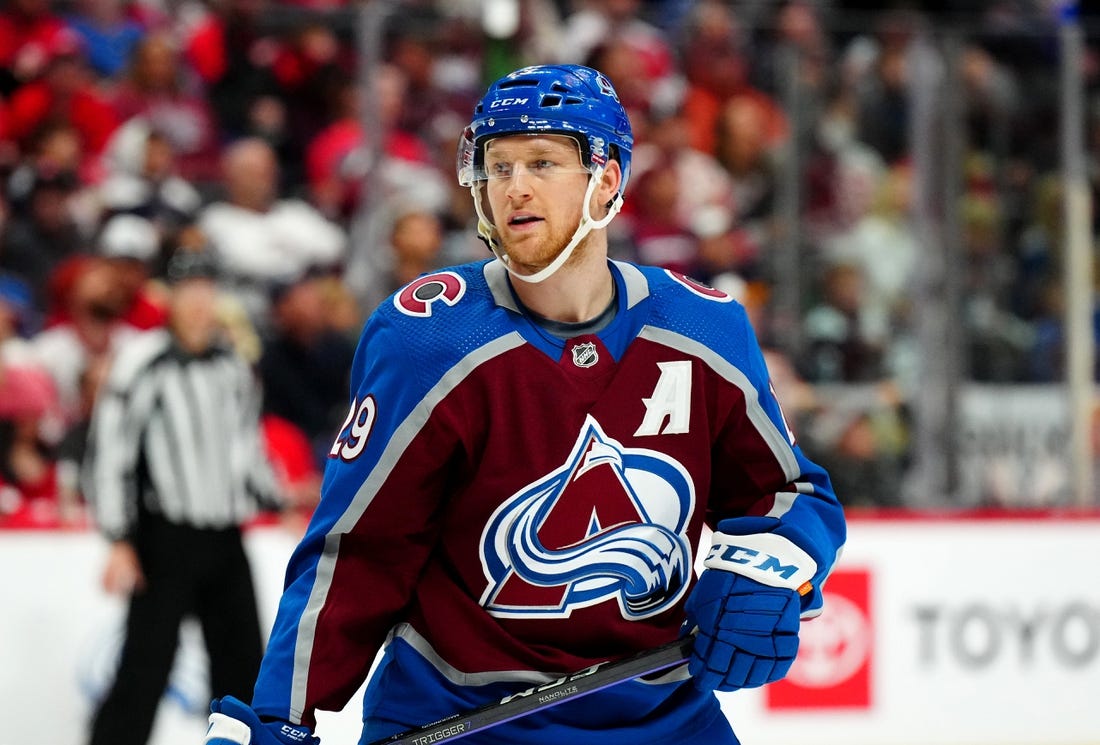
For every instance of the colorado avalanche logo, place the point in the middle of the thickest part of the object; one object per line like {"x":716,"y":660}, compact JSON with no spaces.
{"x":610,"y":524}
{"x":417,"y":297}
{"x":605,"y":87}
{"x":699,"y":288}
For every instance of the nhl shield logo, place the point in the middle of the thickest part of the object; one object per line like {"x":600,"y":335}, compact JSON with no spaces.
{"x":585,"y":354}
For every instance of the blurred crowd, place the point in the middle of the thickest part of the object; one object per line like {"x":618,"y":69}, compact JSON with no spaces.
{"x":320,"y":174}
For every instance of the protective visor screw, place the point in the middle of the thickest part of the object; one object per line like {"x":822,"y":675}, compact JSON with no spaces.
{"x":523,"y":118}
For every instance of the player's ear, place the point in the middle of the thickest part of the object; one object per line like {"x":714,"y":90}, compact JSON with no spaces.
{"x":609,"y":183}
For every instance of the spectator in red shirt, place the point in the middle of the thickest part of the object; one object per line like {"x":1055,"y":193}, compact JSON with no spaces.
{"x":28,"y":475}
{"x":235,"y":58}
{"x":65,"y":92}
{"x":659,"y":235}
{"x":337,"y":157}
{"x":295,"y":467}
{"x":27,"y":32}
{"x":85,"y":326}
{"x":717,"y":67}
{"x":312,"y":69}
{"x":161,"y":88}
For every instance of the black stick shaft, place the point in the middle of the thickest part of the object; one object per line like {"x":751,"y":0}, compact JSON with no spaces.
{"x":567,"y":688}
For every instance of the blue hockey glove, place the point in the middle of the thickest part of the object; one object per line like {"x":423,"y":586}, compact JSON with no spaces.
{"x":747,"y":631}
{"x":233,"y":722}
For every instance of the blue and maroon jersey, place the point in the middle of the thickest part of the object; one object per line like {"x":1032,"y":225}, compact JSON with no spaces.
{"x":502,"y":505}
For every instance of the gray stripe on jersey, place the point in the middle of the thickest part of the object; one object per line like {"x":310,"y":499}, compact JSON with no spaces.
{"x":496,"y":277}
{"x":784,"y":500}
{"x":424,"y":648}
{"x":399,"y":441}
{"x":776,"y":440}
{"x":637,"y":286}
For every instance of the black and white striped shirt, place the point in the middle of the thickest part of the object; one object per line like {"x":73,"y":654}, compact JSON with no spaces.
{"x":176,"y":435}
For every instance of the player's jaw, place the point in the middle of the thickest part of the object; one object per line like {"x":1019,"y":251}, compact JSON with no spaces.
{"x":532,"y":241}
{"x":534,"y":230}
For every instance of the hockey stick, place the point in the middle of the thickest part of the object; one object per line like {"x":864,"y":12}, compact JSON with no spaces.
{"x":574,"y":685}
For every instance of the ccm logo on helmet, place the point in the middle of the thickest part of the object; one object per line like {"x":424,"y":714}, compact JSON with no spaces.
{"x":508,"y":102}
{"x":417,"y":297}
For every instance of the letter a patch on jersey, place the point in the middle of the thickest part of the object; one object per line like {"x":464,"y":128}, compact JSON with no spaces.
{"x":608,"y":525}
{"x":668,"y":410}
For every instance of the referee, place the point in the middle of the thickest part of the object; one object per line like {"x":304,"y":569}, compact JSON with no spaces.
{"x":174,"y":466}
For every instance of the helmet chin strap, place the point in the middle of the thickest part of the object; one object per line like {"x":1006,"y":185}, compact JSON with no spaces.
{"x":486,"y":230}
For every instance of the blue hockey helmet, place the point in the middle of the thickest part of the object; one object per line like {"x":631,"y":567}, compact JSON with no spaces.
{"x":570,"y":100}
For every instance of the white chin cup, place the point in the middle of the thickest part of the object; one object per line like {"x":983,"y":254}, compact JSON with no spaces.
{"x":487,"y":231}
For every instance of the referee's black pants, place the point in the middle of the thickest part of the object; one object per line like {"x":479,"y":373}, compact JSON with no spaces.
{"x":188,"y":571}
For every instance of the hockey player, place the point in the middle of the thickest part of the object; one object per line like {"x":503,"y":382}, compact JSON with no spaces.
{"x":532,"y":447}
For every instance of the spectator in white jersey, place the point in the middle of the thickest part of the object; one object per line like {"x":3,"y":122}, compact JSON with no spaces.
{"x":174,"y":467}
{"x":259,"y":237}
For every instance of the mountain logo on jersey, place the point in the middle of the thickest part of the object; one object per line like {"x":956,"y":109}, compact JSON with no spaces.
{"x":609,"y":525}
